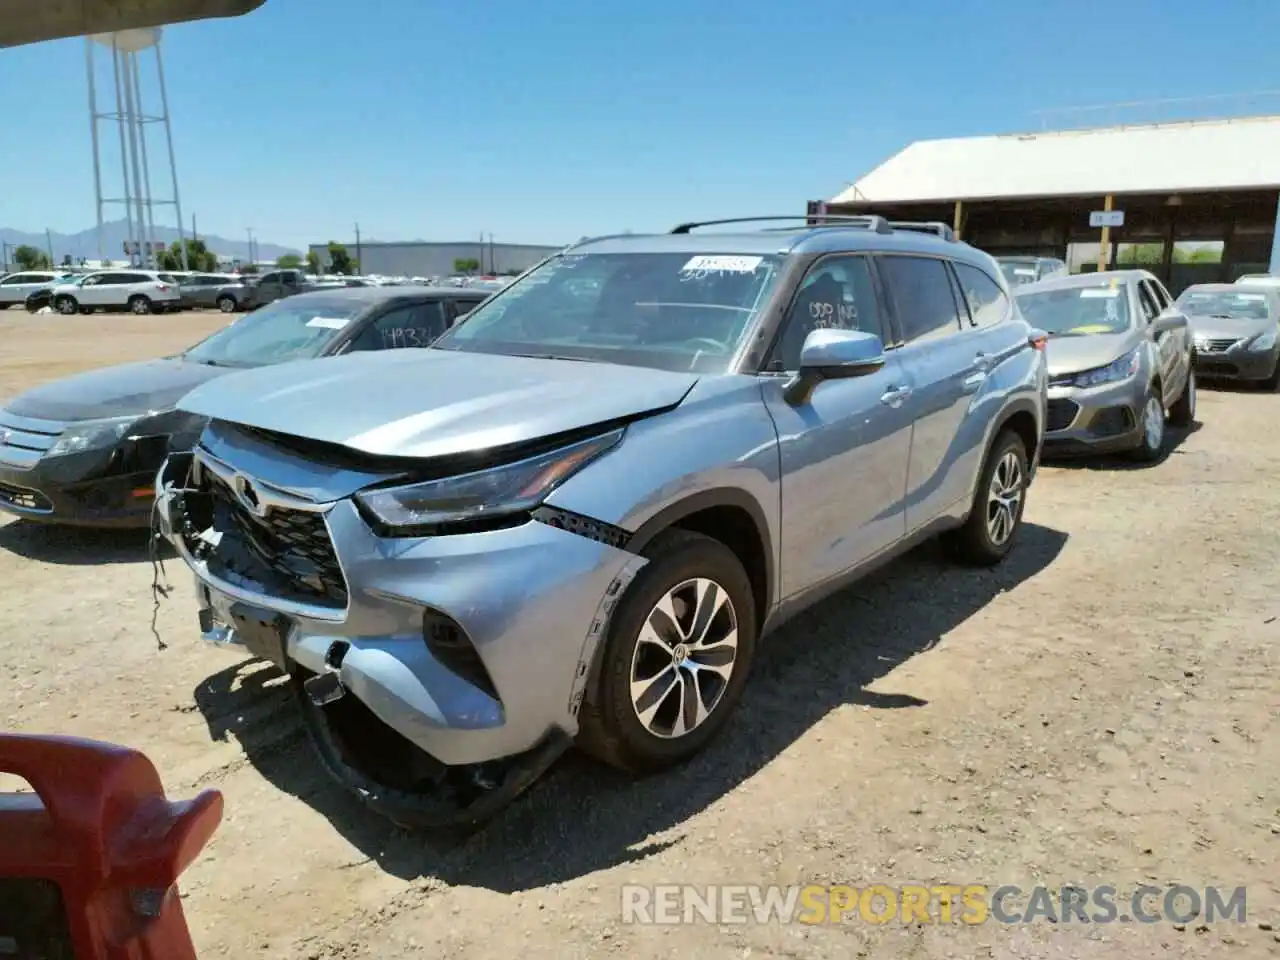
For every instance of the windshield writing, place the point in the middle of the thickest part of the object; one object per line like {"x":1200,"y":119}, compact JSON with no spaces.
{"x":671,"y":311}
{"x":1234,"y":306}
{"x":1077,"y":311}
{"x":283,"y":331}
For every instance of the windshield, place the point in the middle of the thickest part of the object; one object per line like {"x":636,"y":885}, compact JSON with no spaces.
{"x":1018,"y":272}
{"x":282,"y":331}
{"x":1225,"y":304}
{"x":1077,"y":311}
{"x":670,"y":311}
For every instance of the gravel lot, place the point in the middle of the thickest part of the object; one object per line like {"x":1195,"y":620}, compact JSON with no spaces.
{"x":1095,"y":711}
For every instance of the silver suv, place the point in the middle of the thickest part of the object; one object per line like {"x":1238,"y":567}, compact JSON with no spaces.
{"x":574,"y":517}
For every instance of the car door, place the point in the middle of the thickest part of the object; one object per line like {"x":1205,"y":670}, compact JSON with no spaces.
{"x":1149,"y":310}
{"x":403,"y":325}
{"x":1176,"y":338}
{"x":15,"y":287}
{"x":843,"y":453}
{"x":267,"y":289}
{"x":947,"y":365}
{"x":91,"y":292}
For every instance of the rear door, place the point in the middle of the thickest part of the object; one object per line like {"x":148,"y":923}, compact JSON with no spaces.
{"x":946,"y":363}
{"x":843,"y":452}
{"x":1166,"y":345}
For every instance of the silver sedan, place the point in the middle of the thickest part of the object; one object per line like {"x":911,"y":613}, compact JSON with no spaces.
{"x":1235,"y":329}
{"x":1119,"y":358}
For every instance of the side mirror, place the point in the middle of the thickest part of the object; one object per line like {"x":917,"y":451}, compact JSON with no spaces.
{"x":831,"y":354}
{"x":1166,"y":322}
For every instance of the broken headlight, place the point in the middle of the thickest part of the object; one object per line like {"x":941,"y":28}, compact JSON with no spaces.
{"x":487,"y":494}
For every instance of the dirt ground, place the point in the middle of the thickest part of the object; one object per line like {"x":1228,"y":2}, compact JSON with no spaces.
{"x":1100,"y":710}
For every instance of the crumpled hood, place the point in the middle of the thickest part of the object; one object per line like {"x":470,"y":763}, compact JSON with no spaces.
{"x":1217,"y":328}
{"x":122,"y":391}
{"x":1074,"y":354}
{"x":432,"y":403}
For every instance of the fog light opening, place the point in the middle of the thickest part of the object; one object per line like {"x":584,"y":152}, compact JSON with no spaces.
{"x":449,"y":644}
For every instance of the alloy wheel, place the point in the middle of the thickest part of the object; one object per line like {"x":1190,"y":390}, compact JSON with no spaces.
{"x":1004,"y":497}
{"x":684,"y":658}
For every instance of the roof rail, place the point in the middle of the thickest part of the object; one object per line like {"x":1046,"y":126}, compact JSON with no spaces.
{"x":936,"y":227}
{"x":870,"y":222}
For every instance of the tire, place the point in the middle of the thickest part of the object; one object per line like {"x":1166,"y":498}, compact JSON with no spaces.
{"x":1151,"y":445}
{"x":984,"y":540}
{"x":611,"y":728}
{"x":140,"y":305}
{"x":227,"y":304}
{"x":1183,"y":411}
{"x":67,"y":306}
{"x":1272,"y":383}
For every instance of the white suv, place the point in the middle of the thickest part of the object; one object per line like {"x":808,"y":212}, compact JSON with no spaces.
{"x":16,"y":286}
{"x":138,"y":291}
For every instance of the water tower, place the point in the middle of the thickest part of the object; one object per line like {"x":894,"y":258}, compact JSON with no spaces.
{"x":133,"y":121}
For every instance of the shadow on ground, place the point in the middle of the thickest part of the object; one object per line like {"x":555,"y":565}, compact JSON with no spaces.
{"x":583,"y":817}
{"x":75,"y":546}
{"x":1175,"y":437}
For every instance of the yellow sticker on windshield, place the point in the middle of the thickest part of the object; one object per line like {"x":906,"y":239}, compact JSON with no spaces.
{"x":1092,"y":328}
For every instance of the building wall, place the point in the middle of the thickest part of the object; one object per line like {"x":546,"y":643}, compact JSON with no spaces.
{"x":436,"y":259}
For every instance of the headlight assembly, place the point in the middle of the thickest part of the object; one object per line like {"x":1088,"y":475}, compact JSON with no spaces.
{"x":1264,"y":341}
{"x":91,"y":435}
{"x":484,"y":495}
{"x":1114,"y":372}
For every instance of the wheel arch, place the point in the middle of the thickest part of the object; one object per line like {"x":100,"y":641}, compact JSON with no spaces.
{"x":733,"y":517}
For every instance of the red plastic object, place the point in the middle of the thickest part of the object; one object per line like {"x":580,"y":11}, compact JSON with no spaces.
{"x":101,"y":828}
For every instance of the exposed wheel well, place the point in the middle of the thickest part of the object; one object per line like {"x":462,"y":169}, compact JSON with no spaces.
{"x":1024,"y":425}
{"x":736,"y":529}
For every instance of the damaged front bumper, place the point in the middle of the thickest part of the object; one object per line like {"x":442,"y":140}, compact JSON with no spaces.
{"x":476,"y":649}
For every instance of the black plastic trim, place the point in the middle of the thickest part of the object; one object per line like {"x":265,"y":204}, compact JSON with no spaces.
{"x":583,"y":526}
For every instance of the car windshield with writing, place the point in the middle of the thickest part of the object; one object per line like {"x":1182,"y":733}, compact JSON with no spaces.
{"x":668,"y":311}
{"x":1226,"y":305}
{"x":1077,"y":311}
{"x":283,"y":331}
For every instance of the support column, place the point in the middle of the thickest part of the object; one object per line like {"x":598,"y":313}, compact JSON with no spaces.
{"x":957,"y":224}
{"x":1104,"y":248}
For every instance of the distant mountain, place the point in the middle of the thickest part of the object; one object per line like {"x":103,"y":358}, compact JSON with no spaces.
{"x":115,"y":232}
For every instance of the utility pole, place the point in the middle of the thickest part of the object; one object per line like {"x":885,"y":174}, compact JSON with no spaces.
{"x":194,"y":236}
{"x":252,"y":259}
{"x":359,"y":266}
{"x":493,"y":265}
{"x":48,"y":241}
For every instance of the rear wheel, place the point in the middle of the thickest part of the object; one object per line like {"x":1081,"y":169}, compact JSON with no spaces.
{"x":139,"y":304}
{"x":676,"y":657}
{"x":1183,"y":412}
{"x":227,"y":304}
{"x":998,"y":502}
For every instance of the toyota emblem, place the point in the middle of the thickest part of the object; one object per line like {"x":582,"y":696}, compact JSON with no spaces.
{"x":248,"y":496}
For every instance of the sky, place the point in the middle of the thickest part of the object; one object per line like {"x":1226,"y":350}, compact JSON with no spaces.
{"x":541,"y":123}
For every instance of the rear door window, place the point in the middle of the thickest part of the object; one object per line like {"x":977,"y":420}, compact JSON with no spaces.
{"x":1147,"y":300}
{"x":920,"y":291}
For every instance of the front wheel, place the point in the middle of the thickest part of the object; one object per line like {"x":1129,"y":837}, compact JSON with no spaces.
{"x":1151,"y":444}
{"x":66,"y":306}
{"x":1183,"y":411}
{"x":676,"y":657}
{"x":998,"y":502}
{"x":227,"y":304}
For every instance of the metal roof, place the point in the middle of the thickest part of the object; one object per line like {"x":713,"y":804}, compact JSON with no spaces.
{"x":1203,"y":155}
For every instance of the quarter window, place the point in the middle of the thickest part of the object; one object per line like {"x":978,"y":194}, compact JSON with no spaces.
{"x":922,"y":297}
{"x":1149,"y":308}
{"x":837,"y":292}
{"x":987,"y":302}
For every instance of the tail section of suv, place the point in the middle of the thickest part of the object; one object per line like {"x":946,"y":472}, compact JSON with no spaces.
{"x":575,"y":516}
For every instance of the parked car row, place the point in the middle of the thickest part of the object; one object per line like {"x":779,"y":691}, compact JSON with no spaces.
{"x":574,"y":517}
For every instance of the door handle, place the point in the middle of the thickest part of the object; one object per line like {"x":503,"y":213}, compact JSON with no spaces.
{"x":895,"y":395}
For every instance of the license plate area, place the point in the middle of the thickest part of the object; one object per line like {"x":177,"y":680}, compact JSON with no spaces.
{"x":263,"y":632}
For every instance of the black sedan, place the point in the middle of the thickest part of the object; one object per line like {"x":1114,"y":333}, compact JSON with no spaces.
{"x":84,"y":451}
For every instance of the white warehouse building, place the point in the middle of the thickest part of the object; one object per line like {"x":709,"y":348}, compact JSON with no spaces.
{"x":419,"y":258}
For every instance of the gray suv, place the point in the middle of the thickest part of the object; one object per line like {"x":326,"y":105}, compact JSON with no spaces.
{"x":575,"y":516}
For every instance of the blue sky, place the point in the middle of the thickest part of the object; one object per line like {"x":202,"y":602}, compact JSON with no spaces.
{"x":544,"y":122}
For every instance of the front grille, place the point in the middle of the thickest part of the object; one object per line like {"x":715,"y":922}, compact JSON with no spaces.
{"x":1061,"y":414}
{"x":23,"y":499}
{"x":23,"y":441}
{"x":286,"y":553}
{"x":1213,"y":345}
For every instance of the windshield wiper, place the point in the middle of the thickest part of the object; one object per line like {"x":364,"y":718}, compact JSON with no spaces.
{"x":553,"y":356}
